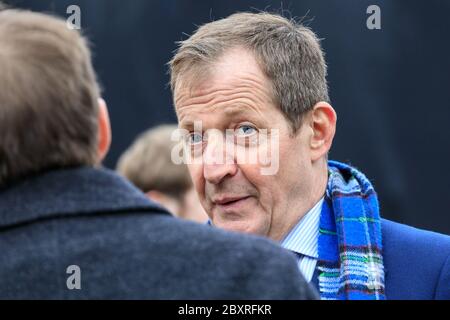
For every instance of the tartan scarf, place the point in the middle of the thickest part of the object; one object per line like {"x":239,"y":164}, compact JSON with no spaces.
{"x":350,"y":265}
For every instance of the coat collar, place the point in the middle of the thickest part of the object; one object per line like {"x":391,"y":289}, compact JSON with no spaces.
{"x":66,"y":192}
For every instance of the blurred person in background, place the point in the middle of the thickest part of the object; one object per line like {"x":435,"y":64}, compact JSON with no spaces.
{"x":148,"y":165}
{"x":254,"y":84}
{"x":70,"y":229}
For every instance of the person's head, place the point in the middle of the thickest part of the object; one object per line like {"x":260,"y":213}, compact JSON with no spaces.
{"x":148,"y":165}
{"x":51,"y":114}
{"x":247,"y":73}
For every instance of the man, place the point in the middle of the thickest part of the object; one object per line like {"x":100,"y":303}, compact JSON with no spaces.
{"x":241,"y":83}
{"x":148,"y":165}
{"x":70,"y":230}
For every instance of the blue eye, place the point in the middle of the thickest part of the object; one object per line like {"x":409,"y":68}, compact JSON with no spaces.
{"x":245,"y":130}
{"x":194,"y":138}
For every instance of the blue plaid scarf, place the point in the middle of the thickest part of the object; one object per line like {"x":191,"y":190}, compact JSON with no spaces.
{"x":350,"y":251}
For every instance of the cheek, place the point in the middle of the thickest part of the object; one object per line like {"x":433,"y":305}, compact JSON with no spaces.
{"x":196,"y":172}
{"x":266,"y":186}
{"x":293,"y":178}
{"x":275,"y":189}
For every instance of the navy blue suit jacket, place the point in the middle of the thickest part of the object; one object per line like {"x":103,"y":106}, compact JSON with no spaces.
{"x":127,"y":247}
{"x":416,"y":263}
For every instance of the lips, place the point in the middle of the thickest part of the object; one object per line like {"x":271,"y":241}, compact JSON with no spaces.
{"x":229,"y":200}
{"x":231,"y":204}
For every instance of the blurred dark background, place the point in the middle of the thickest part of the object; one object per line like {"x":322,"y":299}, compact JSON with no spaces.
{"x":390,"y":87}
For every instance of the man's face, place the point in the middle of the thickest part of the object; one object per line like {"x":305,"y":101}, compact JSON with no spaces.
{"x":236,"y":194}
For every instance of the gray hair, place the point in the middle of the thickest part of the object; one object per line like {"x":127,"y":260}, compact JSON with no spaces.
{"x":288,"y":53}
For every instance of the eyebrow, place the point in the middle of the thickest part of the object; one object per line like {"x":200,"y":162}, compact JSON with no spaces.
{"x":186,"y":124}
{"x":230,"y":112}
{"x":235,"y":110}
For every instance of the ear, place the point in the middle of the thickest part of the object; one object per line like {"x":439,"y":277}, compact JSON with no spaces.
{"x":323,"y":124}
{"x":104,"y":131}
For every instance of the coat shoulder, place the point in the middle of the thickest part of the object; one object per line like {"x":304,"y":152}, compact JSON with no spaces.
{"x":265,"y":270}
{"x":417,"y":262}
{"x":408,"y":238}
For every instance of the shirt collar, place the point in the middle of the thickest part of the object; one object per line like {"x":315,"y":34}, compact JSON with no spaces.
{"x":302,"y":239}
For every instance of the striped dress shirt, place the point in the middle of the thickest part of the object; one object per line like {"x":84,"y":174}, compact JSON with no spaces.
{"x":303,"y":239}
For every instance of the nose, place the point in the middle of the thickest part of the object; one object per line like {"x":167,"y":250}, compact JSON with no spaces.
{"x":218,"y":160}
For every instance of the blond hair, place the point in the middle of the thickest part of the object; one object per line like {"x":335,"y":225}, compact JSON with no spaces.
{"x":148,"y":164}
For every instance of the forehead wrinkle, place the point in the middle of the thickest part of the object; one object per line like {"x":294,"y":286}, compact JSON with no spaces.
{"x":247,"y":89}
{"x":214,"y":96}
{"x":239,"y":81}
{"x":231,"y":104}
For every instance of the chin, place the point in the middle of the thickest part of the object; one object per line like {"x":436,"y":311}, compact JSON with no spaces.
{"x":248,"y":227}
